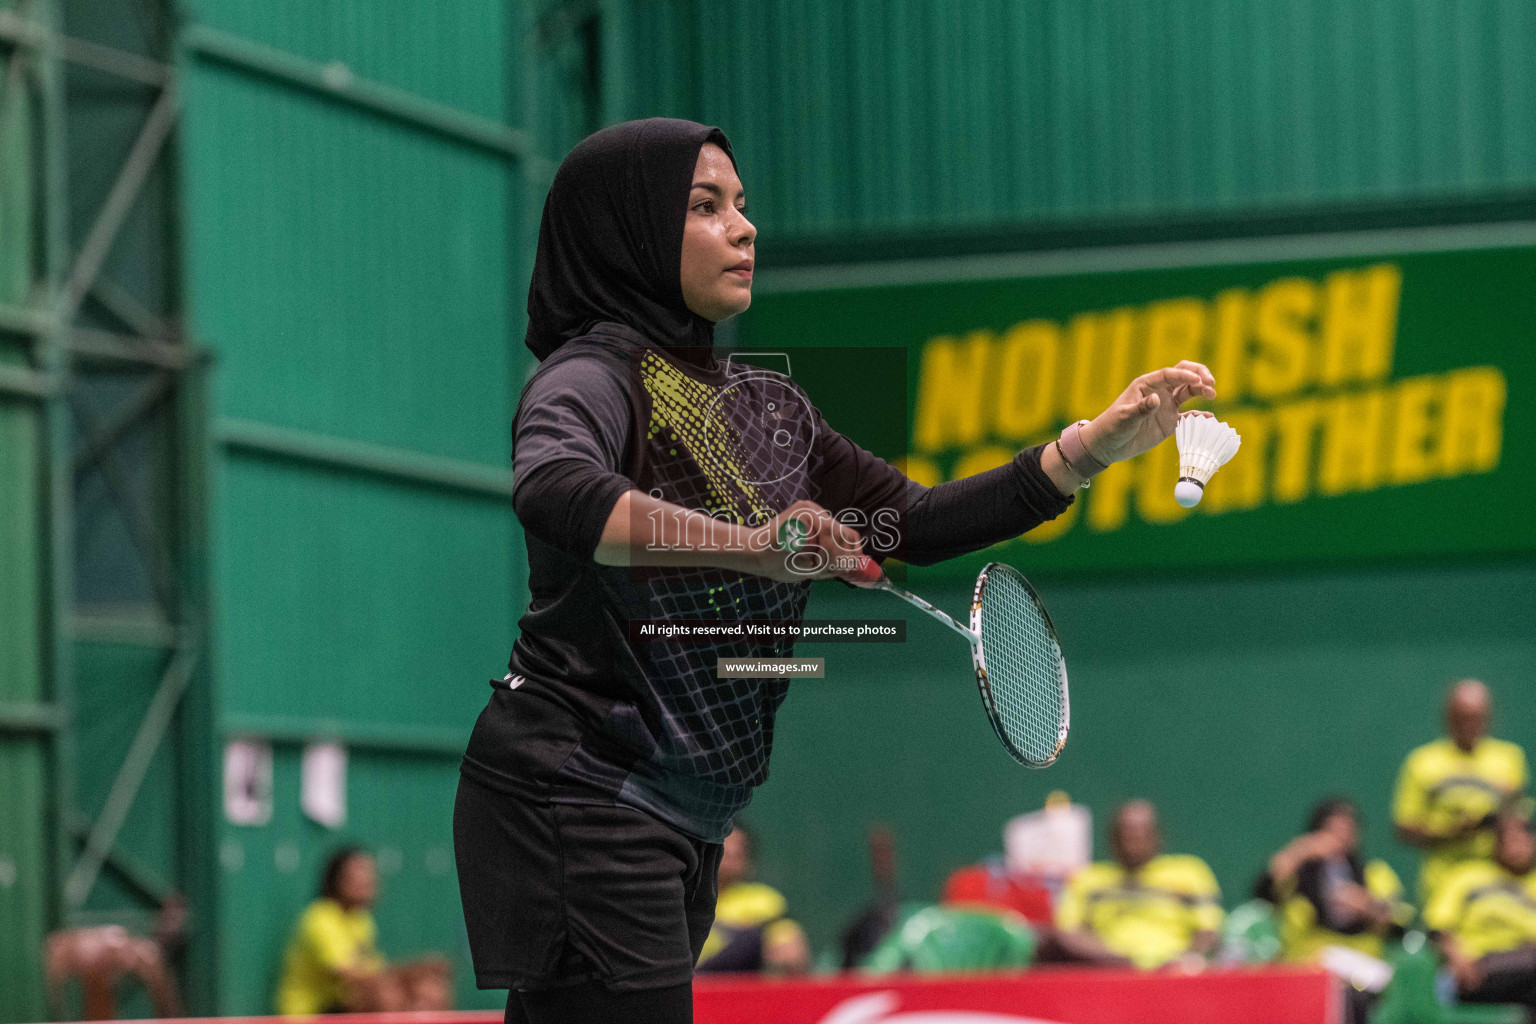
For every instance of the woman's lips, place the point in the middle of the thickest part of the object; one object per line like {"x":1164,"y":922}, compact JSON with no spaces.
{"x":742,"y":270}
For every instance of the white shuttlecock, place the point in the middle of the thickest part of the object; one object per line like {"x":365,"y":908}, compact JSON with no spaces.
{"x":1205,"y":444}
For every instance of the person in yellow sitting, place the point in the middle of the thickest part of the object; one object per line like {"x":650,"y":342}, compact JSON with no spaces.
{"x":751,"y":931}
{"x":1146,"y":909}
{"x":334,"y":951}
{"x":1449,"y":790}
{"x":1483,"y":918}
{"x":1326,"y":895}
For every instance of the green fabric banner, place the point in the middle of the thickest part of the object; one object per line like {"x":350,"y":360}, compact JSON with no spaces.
{"x":1386,"y":401}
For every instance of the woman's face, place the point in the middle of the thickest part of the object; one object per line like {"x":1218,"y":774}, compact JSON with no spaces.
{"x":358,"y":882}
{"x":717,"y":239}
{"x":1344,"y":826}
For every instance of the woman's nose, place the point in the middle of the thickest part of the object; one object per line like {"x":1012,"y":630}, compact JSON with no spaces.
{"x":746,"y":232}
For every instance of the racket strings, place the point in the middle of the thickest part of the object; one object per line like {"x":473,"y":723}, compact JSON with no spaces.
{"x":1023,"y":665}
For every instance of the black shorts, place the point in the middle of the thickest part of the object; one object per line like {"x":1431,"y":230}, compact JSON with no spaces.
{"x":557,"y":894}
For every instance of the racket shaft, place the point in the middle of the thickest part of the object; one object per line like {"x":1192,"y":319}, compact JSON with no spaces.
{"x":922,"y":605}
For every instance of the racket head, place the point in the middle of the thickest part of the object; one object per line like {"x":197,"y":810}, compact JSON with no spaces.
{"x":1019,"y":667}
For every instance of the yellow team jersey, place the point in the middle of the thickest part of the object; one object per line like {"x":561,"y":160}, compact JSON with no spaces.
{"x":1486,"y":909}
{"x":1440,"y":786}
{"x":744,"y":906}
{"x":1149,"y":918}
{"x":1303,"y":937}
{"x":326,"y":938}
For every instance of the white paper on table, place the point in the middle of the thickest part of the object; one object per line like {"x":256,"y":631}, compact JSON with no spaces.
{"x":323,"y":792}
{"x":1052,"y":843}
{"x":247,"y":782}
{"x":1359,"y":969}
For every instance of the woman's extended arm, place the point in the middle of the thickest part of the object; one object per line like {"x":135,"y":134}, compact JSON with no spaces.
{"x":931,"y":524}
{"x":642,"y":530}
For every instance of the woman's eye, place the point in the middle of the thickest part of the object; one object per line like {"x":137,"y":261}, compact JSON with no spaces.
{"x":707,"y":206}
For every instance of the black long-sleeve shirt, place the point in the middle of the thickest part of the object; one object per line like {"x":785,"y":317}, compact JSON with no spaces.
{"x":587,"y":715}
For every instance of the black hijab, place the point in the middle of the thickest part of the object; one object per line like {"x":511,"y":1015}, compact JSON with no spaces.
{"x":611,"y":241}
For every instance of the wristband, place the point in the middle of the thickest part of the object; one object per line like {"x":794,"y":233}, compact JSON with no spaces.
{"x":1076,"y":454}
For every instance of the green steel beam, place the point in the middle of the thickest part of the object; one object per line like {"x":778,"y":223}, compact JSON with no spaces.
{"x":139,"y":520}
{"x":362,"y":457}
{"x":139,"y":876}
{"x":125,"y":191}
{"x":60,"y":285}
{"x":19,"y":31}
{"x":53,"y":356}
{"x":124,"y":305}
{"x":108,"y":432}
{"x":376,"y":736}
{"x":18,"y":717}
{"x":105,"y":346}
{"x":18,"y":380}
{"x":133,"y":629}
{"x":125,"y":787}
{"x":338,"y":82}
{"x":20,"y":320}
{"x":200,"y":750}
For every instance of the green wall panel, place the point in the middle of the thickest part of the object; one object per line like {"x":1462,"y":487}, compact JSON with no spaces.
{"x":24,"y":840}
{"x":401,"y":808}
{"x":874,"y":115}
{"x":358,"y":277}
{"x":24,"y":877}
{"x":1232,"y":702}
{"x":16,"y":229}
{"x":343,"y":597}
{"x":452,"y":53}
{"x":114,"y":684}
{"x":20,"y":579}
{"x":352,"y":273}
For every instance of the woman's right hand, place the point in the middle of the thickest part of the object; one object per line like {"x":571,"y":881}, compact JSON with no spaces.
{"x":805,"y":542}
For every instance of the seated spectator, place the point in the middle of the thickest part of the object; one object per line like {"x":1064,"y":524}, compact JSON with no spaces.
{"x":1327,"y":898}
{"x":751,"y":931}
{"x":1326,"y":895}
{"x":1483,"y":917}
{"x":1147,"y":909}
{"x":333,"y":964}
{"x":875,"y":920}
{"x":991,"y":885}
{"x":1448,"y":791}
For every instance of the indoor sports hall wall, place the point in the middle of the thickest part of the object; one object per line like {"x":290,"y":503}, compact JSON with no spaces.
{"x":1234,"y":699}
{"x":1233,"y":702}
{"x":361,"y":184}
{"x":888,"y":119}
{"x":357,"y":185}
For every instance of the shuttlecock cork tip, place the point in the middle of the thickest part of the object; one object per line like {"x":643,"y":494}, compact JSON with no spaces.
{"x":1188,"y":493}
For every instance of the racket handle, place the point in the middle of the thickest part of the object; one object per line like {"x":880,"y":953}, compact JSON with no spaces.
{"x":868,"y":573}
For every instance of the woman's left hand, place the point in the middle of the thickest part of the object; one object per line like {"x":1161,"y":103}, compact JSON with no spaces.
{"x":1147,"y":411}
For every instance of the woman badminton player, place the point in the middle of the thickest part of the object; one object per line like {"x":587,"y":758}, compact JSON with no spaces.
{"x":651,"y":480}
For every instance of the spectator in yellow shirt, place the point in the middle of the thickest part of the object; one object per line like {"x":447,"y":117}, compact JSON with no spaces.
{"x":1483,"y":917}
{"x":752,"y":931}
{"x":1326,"y":894}
{"x":1449,"y":791}
{"x":1146,"y":909}
{"x":333,"y":953}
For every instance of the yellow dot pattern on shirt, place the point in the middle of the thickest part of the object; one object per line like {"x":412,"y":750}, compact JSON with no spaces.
{"x":687,"y":411}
